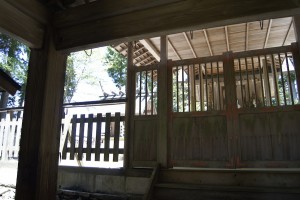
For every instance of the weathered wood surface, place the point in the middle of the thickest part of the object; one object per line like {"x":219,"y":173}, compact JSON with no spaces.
{"x":85,"y":28}
{"x":39,"y":145}
{"x":24,"y":21}
{"x":201,"y":140}
{"x":270,"y":139}
{"x":86,"y":139}
{"x":145,"y":140}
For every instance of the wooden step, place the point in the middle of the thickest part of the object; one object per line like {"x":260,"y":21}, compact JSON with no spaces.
{"x":276,"y":178}
{"x":175,"y":191}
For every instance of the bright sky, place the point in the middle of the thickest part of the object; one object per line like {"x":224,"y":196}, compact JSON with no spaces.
{"x":89,"y":89}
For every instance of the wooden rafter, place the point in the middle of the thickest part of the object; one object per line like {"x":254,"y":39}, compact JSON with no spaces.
{"x":268,"y":33}
{"x":143,"y":60}
{"x":138,"y":49}
{"x":151,"y":48}
{"x":208,"y":43}
{"x":288,"y":32}
{"x":190,"y":44}
{"x":247,"y":37}
{"x":173,"y":48}
{"x":227,"y":38}
{"x":142,"y":54}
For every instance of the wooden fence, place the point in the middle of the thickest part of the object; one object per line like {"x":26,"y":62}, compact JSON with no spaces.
{"x":80,"y":137}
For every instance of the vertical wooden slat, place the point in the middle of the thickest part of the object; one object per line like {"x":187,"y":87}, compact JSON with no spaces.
{"x":241,"y":83}
{"x":64,"y":150}
{"x":267,"y":81}
{"x":261,"y":81}
{"x":116,"y":137}
{"x":206,"y":86}
{"x":107,"y":136}
{"x":201,"y":96}
{"x":289,"y":77}
{"x":140,"y":95}
{"x":182,"y":87}
{"x":254,"y":80}
{"x":247,"y":75}
{"x":282,"y":80}
{"x":177,"y":88}
{"x":194,"y":89}
{"x":81,"y":137}
{"x":275,"y":80}
{"x":296,"y":57}
{"x":73,"y":137}
{"x":219,"y":87}
{"x":189,"y":91}
{"x":146,"y":92}
{"x":89,"y":137}
{"x":152,"y":89}
{"x":98,"y":136}
{"x":212,"y":86}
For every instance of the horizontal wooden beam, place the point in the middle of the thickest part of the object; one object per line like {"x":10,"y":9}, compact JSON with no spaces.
{"x":127,"y":20}
{"x":8,"y":84}
{"x":24,"y":21}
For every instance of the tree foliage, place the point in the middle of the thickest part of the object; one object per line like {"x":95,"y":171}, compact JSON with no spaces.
{"x":14,"y":61}
{"x":117,"y":67}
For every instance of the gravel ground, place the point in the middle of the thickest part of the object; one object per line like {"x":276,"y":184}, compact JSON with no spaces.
{"x":8,"y":177}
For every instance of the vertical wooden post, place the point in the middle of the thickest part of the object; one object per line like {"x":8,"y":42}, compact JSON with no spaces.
{"x":192,"y":88}
{"x":130,"y":105}
{"x":39,"y":146}
{"x":266,"y":81}
{"x":231,"y":108}
{"x":162,"y":104}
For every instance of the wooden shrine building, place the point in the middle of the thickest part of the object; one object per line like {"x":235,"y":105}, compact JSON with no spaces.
{"x":213,"y":92}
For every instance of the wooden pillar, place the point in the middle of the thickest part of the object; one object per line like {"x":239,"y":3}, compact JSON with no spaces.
{"x":39,"y":145}
{"x":231,"y":107}
{"x":130,"y":106}
{"x":192,"y":88}
{"x":162,"y":104}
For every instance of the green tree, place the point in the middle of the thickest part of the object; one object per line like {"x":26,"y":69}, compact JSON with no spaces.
{"x":117,"y":67}
{"x":14,"y":61}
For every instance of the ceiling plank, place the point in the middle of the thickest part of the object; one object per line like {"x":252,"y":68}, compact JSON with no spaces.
{"x":143,"y":60}
{"x":208,"y":43}
{"x":227,"y":38}
{"x":268,"y":33}
{"x":146,"y":21}
{"x":288,"y":32}
{"x":22,"y":24}
{"x":247,"y":37}
{"x":173,"y":48}
{"x":151,"y":48}
{"x":190,"y":45}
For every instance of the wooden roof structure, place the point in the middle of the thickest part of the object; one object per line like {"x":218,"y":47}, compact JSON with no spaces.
{"x":215,"y":41}
{"x":7,"y":84}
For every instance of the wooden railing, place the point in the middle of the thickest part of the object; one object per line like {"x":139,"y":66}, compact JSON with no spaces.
{"x":10,"y":132}
{"x":81,"y":137}
{"x":95,"y":135}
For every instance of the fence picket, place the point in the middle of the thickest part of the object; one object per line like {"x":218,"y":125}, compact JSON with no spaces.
{"x":73,"y":137}
{"x":107,"y":137}
{"x":98,"y":137}
{"x":116,"y":137}
{"x":89,"y":137}
{"x":81,"y":137}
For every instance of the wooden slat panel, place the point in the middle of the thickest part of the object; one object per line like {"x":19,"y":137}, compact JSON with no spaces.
{"x":116,"y":137}
{"x":269,"y":138}
{"x":73,"y":137}
{"x":145,"y":140}
{"x":89,"y":137}
{"x":107,"y":137}
{"x":98,"y":137}
{"x":81,"y":136}
{"x":199,"y":139}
